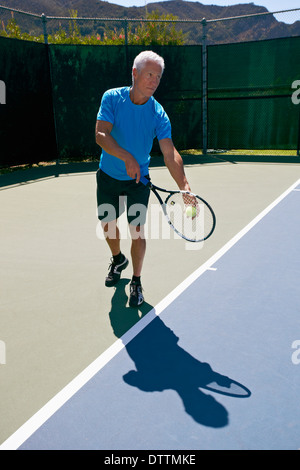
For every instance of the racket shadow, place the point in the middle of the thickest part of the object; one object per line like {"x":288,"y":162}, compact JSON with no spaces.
{"x":161,"y":364}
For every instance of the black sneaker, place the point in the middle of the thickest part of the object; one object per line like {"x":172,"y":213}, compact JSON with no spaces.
{"x":136,"y":296}
{"x":115,"y":272}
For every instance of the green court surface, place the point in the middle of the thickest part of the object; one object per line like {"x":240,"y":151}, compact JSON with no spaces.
{"x":54,"y":307}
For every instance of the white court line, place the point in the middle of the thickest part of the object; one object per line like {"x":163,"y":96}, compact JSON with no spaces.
{"x":39,"y":418}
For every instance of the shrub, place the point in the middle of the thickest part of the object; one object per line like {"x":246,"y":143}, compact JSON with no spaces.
{"x":146,"y":33}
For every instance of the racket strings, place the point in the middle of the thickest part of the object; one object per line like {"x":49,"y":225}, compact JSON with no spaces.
{"x":190,"y":216}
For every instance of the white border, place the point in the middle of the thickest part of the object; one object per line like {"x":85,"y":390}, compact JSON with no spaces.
{"x":39,"y":418}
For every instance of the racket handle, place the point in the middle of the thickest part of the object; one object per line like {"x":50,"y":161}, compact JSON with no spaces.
{"x":144,"y":180}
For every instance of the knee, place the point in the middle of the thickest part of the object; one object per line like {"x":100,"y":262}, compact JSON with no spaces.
{"x":137,"y":233}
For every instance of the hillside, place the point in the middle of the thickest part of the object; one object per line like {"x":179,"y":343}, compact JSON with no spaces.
{"x":248,"y":29}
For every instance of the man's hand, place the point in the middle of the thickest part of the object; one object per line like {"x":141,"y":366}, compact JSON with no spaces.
{"x":133,"y":168}
{"x":109,"y":144}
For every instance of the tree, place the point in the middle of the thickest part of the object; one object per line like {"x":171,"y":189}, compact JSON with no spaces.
{"x":157,"y":30}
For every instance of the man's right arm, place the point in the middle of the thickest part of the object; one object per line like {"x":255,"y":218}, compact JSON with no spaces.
{"x":110,"y":145}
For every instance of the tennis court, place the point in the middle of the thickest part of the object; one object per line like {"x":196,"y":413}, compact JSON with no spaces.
{"x":206,"y":363}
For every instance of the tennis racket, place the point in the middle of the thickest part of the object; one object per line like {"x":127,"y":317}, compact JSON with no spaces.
{"x":190,"y":216}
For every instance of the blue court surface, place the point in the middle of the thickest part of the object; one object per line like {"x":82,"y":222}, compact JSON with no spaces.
{"x":214,"y":366}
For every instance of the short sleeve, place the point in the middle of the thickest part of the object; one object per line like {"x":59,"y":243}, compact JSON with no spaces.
{"x":106,"y":110}
{"x":163,"y":124}
{"x":163,"y":127}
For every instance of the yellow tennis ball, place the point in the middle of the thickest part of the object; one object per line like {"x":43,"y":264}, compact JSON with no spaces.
{"x":191,"y":211}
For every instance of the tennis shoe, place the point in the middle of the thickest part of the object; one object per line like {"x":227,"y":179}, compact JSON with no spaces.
{"x":115,"y":272}
{"x":136,"y":297}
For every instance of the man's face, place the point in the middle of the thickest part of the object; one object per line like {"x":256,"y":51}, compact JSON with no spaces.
{"x":147,"y":79}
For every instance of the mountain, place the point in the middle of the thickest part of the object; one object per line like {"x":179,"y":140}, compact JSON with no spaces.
{"x":246,"y":29}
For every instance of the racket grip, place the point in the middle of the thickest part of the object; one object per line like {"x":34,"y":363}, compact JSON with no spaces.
{"x":144,"y":180}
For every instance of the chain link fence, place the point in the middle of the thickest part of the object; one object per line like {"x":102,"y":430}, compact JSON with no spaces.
{"x":258,"y":26}
{"x":233,"y":82}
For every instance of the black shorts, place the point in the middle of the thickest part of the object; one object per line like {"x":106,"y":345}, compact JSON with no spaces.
{"x":113,"y":195}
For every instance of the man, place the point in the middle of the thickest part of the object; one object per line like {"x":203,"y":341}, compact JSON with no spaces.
{"x":128,"y":120}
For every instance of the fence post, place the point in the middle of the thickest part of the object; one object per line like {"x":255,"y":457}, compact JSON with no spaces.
{"x":44,"y":20}
{"x":126,"y":47}
{"x":126,"y":31}
{"x":204,"y":88}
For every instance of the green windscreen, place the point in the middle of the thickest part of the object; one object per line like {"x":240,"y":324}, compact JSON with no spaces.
{"x":81,"y":74}
{"x":53,"y":94}
{"x":249,"y":95}
{"x":26,"y":118}
{"x":180,"y":92}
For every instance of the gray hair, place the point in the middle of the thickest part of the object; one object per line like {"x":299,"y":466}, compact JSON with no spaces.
{"x":145,"y":56}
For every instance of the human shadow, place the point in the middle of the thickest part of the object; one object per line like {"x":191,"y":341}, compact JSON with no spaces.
{"x":161,"y":364}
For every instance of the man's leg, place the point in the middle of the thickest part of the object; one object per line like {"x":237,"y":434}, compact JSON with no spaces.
{"x":110,"y":207}
{"x":138,"y":250}
{"x":112,"y":236}
{"x":119,"y":261}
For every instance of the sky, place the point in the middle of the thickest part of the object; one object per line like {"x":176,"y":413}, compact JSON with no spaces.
{"x":271,"y":5}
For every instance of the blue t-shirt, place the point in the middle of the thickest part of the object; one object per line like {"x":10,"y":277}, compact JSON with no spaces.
{"x":134,"y":128}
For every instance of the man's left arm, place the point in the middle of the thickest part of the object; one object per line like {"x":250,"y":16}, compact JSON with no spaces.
{"x":174,"y":163}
